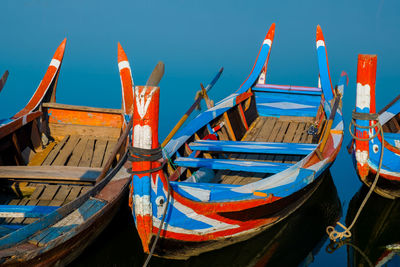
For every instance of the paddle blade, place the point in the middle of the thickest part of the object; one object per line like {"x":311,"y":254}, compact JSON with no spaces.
{"x":156,"y":75}
{"x":3,"y":80}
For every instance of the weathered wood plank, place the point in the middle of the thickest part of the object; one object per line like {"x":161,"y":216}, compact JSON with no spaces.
{"x":66,"y":151}
{"x":78,"y":152}
{"x":62,"y":129}
{"x":109,"y":150}
{"x":50,"y":173}
{"x":87,"y":154}
{"x":98,"y":153}
{"x":53,"y":154}
{"x":40,"y":157}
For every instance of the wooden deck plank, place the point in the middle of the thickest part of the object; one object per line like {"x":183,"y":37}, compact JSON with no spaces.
{"x":49,"y":192}
{"x":66,"y":151}
{"x":282,"y":132}
{"x":291,"y":132}
{"x":109,"y":150}
{"x":40,"y":157}
{"x":73,"y":194}
{"x":98,"y":153}
{"x":78,"y":152}
{"x":53,"y":154}
{"x":87,"y":154}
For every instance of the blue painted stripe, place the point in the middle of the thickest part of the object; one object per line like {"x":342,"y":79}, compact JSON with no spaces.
{"x":253,"y":147}
{"x":288,"y":92}
{"x":28,"y":211}
{"x":234,"y":165}
{"x":262,"y":97}
{"x":269,"y":111}
{"x":324,"y":73}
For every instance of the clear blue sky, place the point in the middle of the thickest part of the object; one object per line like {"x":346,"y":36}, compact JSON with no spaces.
{"x":194,"y":39}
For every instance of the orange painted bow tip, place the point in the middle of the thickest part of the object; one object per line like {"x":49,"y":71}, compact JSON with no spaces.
{"x":320,"y":35}
{"x":121,"y":54}
{"x":60,"y":50}
{"x":271,"y":32}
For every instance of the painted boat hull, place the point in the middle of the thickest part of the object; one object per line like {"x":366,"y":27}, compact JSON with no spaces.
{"x":271,"y":214}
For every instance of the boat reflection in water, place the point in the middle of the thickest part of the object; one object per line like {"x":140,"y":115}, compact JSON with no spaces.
{"x":302,"y":234}
{"x":376,"y":233}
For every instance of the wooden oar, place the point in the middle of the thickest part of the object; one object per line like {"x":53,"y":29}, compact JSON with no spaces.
{"x":3,"y":80}
{"x":190,"y":110}
{"x":156,"y":75}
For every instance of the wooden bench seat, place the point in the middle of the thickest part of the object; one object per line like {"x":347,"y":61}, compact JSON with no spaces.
{"x":63,"y":173}
{"x":253,"y":147}
{"x":234,"y":165}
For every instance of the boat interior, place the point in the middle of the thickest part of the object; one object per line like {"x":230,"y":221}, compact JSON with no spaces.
{"x":53,"y":159}
{"x":269,"y":131}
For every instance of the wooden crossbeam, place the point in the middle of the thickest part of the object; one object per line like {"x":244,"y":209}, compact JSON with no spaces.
{"x":253,"y":147}
{"x":234,"y":165}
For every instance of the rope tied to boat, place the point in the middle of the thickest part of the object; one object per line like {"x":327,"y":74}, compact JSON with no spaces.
{"x":330,"y":230}
{"x":142,"y":154}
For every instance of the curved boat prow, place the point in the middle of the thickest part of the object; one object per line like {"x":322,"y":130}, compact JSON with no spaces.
{"x":47,"y":88}
{"x":325,"y":76}
{"x":127,"y":84}
{"x":145,"y":136}
{"x":365,"y":104}
{"x":260,"y":66}
{"x":3,"y":80}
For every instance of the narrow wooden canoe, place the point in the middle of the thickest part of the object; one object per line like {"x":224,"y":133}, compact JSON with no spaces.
{"x":237,"y":168}
{"x":376,"y":233}
{"x":61,"y":174}
{"x":366,"y":154}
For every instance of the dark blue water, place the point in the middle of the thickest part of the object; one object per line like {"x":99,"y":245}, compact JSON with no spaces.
{"x":194,"y":39}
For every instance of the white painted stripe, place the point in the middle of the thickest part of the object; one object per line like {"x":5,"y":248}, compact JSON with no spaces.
{"x":142,"y":205}
{"x":286,"y":105}
{"x":202,"y":194}
{"x":24,"y":120}
{"x":320,"y":43}
{"x":54,"y":62}
{"x":124,"y":64}
{"x":363,"y":98}
{"x":268,"y":42}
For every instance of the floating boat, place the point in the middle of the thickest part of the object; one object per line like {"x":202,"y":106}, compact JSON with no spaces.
{"x":367,"y":153}
{"x":61,"y":173}
{"x":237,"y":168}
{"x":375,"y":239}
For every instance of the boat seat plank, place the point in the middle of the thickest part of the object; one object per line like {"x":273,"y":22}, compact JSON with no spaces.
{"x":50,"y":173}
{"x":77,"y":217}
{"x":235,"y":165}
{"x":253,"y":147}
{"x":14,"y":211}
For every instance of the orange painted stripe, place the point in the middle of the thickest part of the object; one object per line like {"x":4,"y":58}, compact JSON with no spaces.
{"x":126,"y":81}
{"x":46,"y":81}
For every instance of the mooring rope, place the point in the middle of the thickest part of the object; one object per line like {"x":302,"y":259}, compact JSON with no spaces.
{"x":330,"y":230}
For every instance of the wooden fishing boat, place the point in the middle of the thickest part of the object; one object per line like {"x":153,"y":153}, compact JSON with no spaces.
{"x":237,"y":168}
{"x":375,"y":239}
{"x":367,"y":153}
{"x":61,"y":173}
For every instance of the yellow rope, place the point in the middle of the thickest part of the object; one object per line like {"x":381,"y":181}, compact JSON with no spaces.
{"x":330,"y":230}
